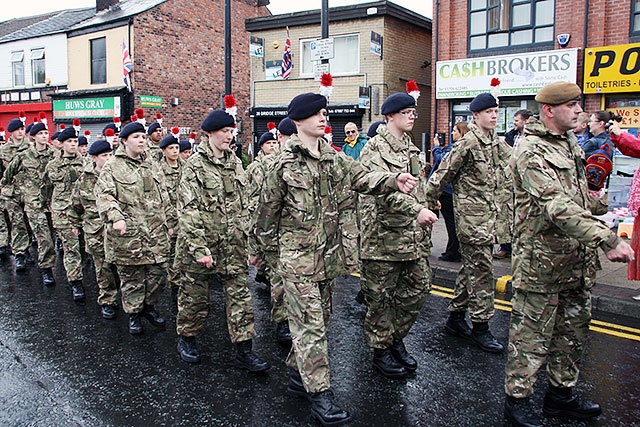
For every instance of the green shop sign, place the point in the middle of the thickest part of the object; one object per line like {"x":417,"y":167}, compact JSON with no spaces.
{"x":147,"y":101}
{"x":86,"y":108}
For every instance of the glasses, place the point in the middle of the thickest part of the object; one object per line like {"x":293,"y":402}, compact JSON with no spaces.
{"x":409,"y":114}
{"x":351,"y":131}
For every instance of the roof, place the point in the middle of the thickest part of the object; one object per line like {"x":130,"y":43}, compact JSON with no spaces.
{"x":343,"y":13}
{"x":11,"y":25}
{"x":118,"y":12}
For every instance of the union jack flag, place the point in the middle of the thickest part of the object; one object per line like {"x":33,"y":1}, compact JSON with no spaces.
{"x":286,"y":58}
{"x":127,"y":65}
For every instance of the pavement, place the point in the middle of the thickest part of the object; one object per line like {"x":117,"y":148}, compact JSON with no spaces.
{"x":612,"y":294}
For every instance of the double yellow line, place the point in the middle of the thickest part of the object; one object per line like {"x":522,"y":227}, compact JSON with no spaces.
{"x":607,"y":328}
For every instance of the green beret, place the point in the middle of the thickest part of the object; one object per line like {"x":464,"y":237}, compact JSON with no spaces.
{"x":557,"y":93}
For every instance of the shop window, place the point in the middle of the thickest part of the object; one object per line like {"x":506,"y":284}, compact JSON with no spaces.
{"x":98,"y":61}
{"x":502,"y":23}
{"x":17,"y":68}
{"x":635,"y":18}
{"x":37,"y":66}
{"x":346,"y":58}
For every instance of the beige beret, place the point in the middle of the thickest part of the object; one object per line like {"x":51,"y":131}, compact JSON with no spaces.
{"x":557,"y":93}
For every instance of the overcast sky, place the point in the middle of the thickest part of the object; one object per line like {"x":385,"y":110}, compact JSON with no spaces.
{"x":36,"y":7}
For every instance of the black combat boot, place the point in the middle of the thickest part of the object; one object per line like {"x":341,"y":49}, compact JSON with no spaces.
{"x":360,"y":298}
{"x":384,"y":362}
{"x":47,"y":277}
{"x":325,"y":409}
{"x":149,"y":312}
{"x":135,"y":324}
{"x":247,"y":359}
{"x":519,"y":412}
{"x":77,"y":290}
{"x":108,"y":311}
{"x":283,"y":334}
{"x":21,"y":262}
{"x":188,"y":350}
{"x":482,"y":337}
{"x":402,"y":356}
{"x":457,"y":325}
{"x":564,"y":402}
{"x":28,"y":258}
{"x":296,"y":386}
{"x":5,"y":251}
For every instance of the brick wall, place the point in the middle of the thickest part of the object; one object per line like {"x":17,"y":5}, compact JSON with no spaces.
{"x":179,"y":53}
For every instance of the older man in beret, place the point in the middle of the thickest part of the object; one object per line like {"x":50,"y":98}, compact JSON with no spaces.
{"x":299,"y":214}
{"x":395,"y":241}
{"x":477,"y":166}
{"x":555,"y":259}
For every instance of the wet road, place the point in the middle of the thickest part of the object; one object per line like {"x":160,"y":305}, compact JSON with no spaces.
{"x":61,"y":364}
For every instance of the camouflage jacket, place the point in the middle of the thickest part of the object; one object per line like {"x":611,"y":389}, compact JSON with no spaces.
{"x":477,"y":167}
{"x":154,"y":152}
{"x":388,"y":223}
{"x":556,"y":235}
{"x":60,"y":176}
{"x":299,"y":208}
{"x":255,"y":175}
{"x":84,"y":202}
{"x":213,"y":214}
{"x":134,"y":190}
{"x":172,"y":180}
{"x":25,"y":175}
{"x":8,"y":152}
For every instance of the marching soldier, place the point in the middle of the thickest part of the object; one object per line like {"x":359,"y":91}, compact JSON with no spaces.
{"x":132,"y":199}
{"x":154,"y":136}
{"x":25,"y":176}
{"x":84,"y":201}
{"x":212,"y":240}
{"x":60,"y":175}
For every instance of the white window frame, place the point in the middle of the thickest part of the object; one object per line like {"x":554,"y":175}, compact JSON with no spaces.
{"x":310,"y":73}
{"x":37,"y":56}
{"x":17,"y":59}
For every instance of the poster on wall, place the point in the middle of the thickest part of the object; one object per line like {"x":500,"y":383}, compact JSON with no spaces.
{"x":273,"y":69}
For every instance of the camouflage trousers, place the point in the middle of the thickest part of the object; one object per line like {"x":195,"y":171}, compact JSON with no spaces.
{"x":546,"y":327}
{"x":395,"y":292}
{"x":72,"y":258}
{"x":278,"y":310}
{"x":20,"y":241}
{"x":107,"y":283}
{"x":309,"y":308}
{"x":194,"y":303}
{"x":41,"y":228}
{"x":141,"y":285}
{"x":474,"y":290}
{"x":173,"y":274}
{"x":4,"y":229}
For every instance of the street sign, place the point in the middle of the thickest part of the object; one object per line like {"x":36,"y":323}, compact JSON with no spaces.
{"x":319,"y":70}
{"x":321,"y":49}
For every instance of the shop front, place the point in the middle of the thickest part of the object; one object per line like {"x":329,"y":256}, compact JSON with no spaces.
{"x":515,"y":79}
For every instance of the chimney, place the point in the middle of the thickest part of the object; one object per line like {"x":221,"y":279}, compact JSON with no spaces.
{"x":105,"y":4}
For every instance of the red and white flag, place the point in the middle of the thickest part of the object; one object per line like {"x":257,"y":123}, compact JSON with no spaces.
{"x":127,"y":66}
{"x":286,"y":58}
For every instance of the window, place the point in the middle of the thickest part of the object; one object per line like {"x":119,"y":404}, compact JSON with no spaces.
{"x":635,"y":17}
{"x":98,"y":61}
{"x":501,"y":23}
{"x":37,"y":66}
{"x":17,"y":68}
{"x":346,"y":56}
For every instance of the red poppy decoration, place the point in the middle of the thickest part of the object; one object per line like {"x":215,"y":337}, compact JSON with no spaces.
{"x":495,"y":82}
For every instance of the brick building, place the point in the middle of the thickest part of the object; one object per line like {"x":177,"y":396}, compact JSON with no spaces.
{"x":528,"y":43}
{"x":177,"y":50}
{"x":404,"y":38}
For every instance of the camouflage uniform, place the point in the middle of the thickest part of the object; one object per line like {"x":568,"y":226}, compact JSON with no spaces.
{"x":24,"y":178}
{"x":172,"y":180}
{"x":60,"y":176}
{"x":154,"y":152}
{"x":394,"y":248}
{"x":134,"y":190}
{"x":555,"y":259}
{"x":256,"y":173}
{"x":477,"y":168}
{"x":84,"y":200}
{"x":17,"y":226}
{"x":212,"y":222}
{"x":298,"y":213}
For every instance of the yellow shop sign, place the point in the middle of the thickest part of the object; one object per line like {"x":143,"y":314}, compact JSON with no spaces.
{"x":612,"y":69}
